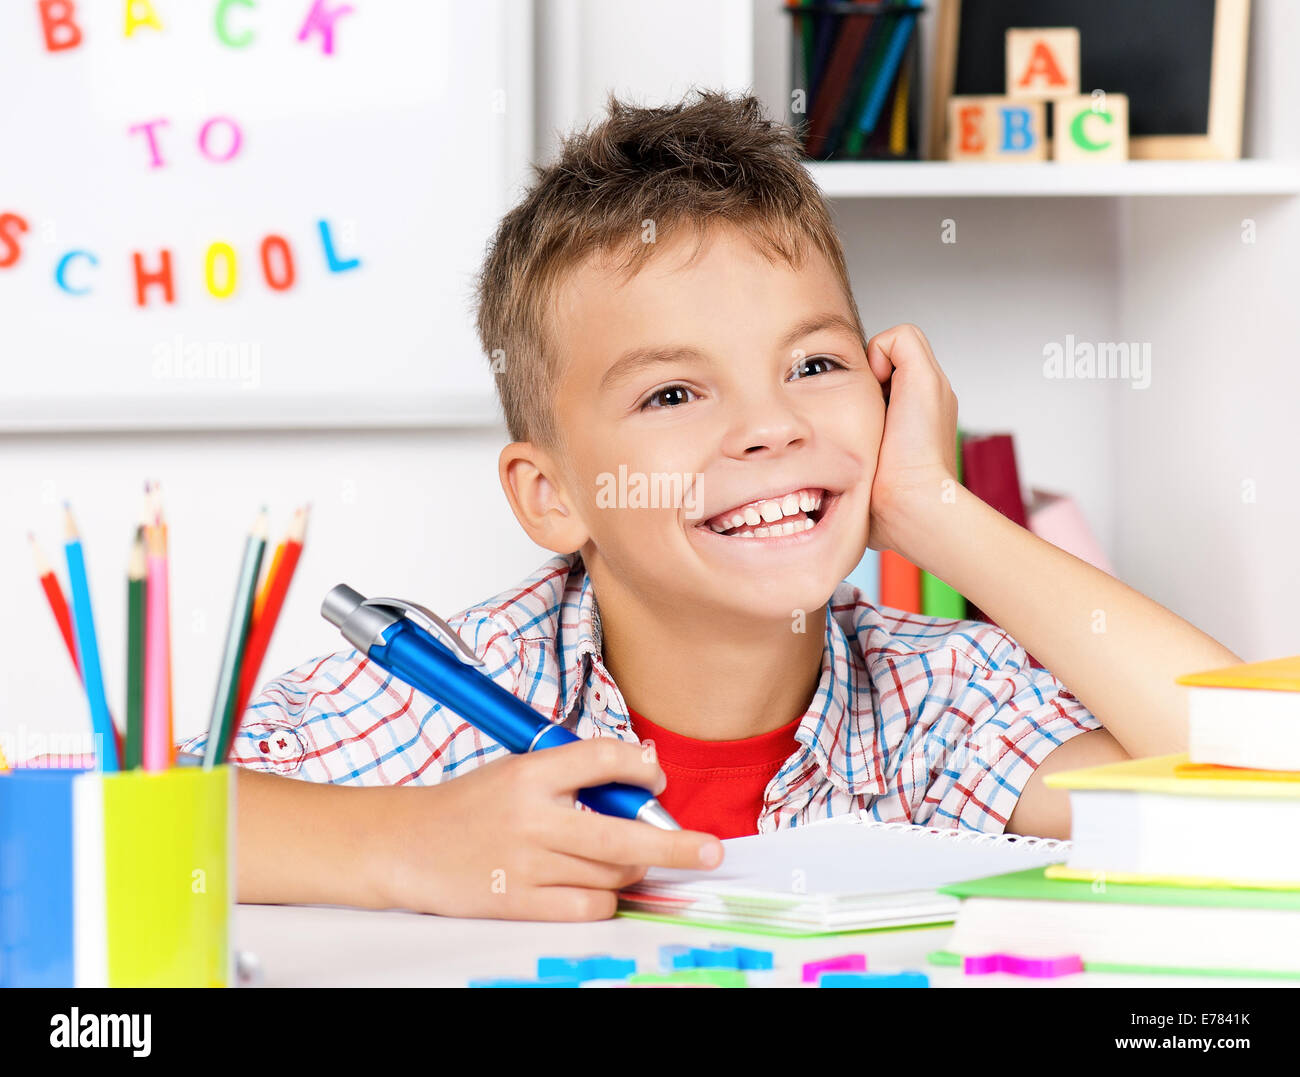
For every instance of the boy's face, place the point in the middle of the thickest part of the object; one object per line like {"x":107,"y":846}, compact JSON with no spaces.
{"x":771,"y":420}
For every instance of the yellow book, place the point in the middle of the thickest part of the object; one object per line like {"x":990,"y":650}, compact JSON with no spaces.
{"x":1160,"y":774}
{"x":1277,"y":675}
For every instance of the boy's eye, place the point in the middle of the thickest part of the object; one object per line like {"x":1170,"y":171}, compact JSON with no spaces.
{"x":816,"y":364}
{"x":670,"y":396}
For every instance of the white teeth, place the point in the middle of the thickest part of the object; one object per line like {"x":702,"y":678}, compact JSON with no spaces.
{"x":770,"y":511}
{"x":738,"y":520}
{"x":805,"y":501}
{"x":752,"y":516}
{"x":816,"y":501}
{"x":763,"y":532}
{"x":808,"y":525}
{"x":790,"y":504}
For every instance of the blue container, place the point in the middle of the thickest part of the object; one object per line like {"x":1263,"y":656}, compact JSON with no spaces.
{"x":37,"y":878}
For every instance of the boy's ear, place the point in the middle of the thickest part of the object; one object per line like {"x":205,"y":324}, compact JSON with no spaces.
{"x":540,"y":504}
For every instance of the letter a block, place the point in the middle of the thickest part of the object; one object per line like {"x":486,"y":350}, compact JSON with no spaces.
{"x":1043,"y":63}
{"x":1090,"y":128}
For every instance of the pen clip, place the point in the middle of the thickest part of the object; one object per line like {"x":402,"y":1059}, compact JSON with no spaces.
{"x":432,"y":623}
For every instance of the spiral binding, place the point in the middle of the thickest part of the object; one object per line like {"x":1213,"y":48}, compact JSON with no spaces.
{"x":1014,"y":841}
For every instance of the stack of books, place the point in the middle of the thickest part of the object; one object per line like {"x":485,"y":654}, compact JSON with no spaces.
{"x":1178,"y":863}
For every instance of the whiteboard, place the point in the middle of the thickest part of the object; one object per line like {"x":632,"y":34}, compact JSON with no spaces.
{"x":379,"y":156}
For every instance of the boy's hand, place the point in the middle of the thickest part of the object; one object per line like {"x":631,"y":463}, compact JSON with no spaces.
{"x":505,"y":841}
{"x":918,"y":448}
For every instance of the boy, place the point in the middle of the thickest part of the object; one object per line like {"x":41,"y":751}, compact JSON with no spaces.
{"x":676,"y":319}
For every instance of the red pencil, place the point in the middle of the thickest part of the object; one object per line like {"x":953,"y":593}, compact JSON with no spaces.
{"x":54,"y":595}
{"x":259,"y":636}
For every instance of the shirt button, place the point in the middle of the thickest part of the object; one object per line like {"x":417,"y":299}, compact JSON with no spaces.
{"x":599,"y":698}
{"x":281,"y":744}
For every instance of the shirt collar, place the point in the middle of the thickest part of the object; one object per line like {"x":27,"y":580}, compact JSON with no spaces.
{"x":838,"y":728}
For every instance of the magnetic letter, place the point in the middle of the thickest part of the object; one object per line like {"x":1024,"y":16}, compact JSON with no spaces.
{"x":227,"y":252}
{"x":149,"y":18}
{"x":57,"y":25}
{"x":156,"y":160}
{"x":224,"y":35}
{"x":61,"y":269}
{"x":235,"y":138}
{"x":322,"y":19}
{"x":162,"y":277}
{"x":331,"y":259}
{"x":285,"y":278}
{"x":10,"y":251}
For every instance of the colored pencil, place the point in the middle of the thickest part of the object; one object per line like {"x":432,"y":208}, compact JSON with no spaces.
{"x":157,"y":746}
{"x":259,"y":603}
{"x":135,"y":635}
{"x":278,"y":578}
{"x":220,"y":722}
{"x":54,"y":596}
{"x":155,"y":513}
{"x":88,"y":647}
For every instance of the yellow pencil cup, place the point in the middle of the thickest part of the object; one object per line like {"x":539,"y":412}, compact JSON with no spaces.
{"x":168,"y":874}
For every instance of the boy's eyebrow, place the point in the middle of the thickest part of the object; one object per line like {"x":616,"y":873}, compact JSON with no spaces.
{"x":632,"y":361}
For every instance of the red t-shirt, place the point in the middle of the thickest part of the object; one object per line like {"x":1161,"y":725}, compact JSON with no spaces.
{"x":717,"y":785}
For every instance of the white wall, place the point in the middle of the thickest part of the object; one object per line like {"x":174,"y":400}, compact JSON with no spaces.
{"x":1157,"y":471}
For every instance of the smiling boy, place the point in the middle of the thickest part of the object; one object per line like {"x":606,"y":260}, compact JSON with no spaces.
{"x":672,"y":301}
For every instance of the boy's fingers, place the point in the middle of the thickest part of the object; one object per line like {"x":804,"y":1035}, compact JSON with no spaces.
{"x":570,"y":903}
{"x":564,"y":869}
{"x":571,"y":767}
{"x":628,"y":841}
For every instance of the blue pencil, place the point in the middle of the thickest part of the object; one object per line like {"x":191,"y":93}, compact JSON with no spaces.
{"x":87,"y":648}
{"x":888,"y":69}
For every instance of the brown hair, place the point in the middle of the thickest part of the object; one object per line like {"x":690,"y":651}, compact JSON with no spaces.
{"x":716,"y":159}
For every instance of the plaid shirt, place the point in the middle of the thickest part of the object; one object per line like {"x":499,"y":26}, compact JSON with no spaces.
{"x":915,"y":719}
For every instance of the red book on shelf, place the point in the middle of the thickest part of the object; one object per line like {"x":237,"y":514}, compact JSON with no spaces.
{"x":900,"y":582}
{"x":989,"y":472}
{"x":988,"y":464}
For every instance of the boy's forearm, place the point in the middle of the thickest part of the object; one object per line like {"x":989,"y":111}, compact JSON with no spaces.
{"x":309,"y":843}
{"x":1112,"y":647}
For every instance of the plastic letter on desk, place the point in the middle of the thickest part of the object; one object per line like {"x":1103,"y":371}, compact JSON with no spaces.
{"x":591,"y":967}
{"x":907,"y":978}
{"x":1041,"y":968}
{"x":844,"y":963}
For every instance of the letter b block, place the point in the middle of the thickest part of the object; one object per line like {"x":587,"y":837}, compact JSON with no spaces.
{"x":996,"y":129}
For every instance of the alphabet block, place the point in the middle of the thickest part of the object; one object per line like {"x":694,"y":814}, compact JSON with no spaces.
{"x":1017,"y":130}
{"x":968,"y":125}
{"x":1043,"y":62}
{"x":1093,"y":128}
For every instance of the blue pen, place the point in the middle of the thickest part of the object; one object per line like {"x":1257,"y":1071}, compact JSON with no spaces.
{"x":402,"y":638}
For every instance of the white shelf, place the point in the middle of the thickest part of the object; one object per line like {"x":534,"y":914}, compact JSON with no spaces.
{"x":1049,"y":179}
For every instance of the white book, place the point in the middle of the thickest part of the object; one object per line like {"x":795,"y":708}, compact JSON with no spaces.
{"x":846,"y":874}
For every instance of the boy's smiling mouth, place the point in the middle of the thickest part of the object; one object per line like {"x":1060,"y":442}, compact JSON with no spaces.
{"x":777,"y":516}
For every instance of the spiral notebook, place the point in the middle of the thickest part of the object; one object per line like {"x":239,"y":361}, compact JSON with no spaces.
{"x":844,"y":874}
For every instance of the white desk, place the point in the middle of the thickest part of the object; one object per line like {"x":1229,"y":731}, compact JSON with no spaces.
{"x":328,"y":946}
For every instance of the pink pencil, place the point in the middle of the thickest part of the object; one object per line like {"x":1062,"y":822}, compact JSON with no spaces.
{"x":157,"y":751}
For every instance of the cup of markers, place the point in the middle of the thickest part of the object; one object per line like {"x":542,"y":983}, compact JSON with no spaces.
{"x":121,"y":874}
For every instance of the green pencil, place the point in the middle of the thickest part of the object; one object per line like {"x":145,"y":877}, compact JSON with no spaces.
{"x":221,"y":722}
{"x":135,"y":574}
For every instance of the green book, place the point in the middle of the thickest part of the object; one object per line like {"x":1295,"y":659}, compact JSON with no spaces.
{"x":1034,"y":885}
{"x":1184,"y":955}
{"x":937,"y":598}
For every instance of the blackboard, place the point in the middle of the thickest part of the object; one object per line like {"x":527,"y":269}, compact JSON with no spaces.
{"x":1181,"y":63}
